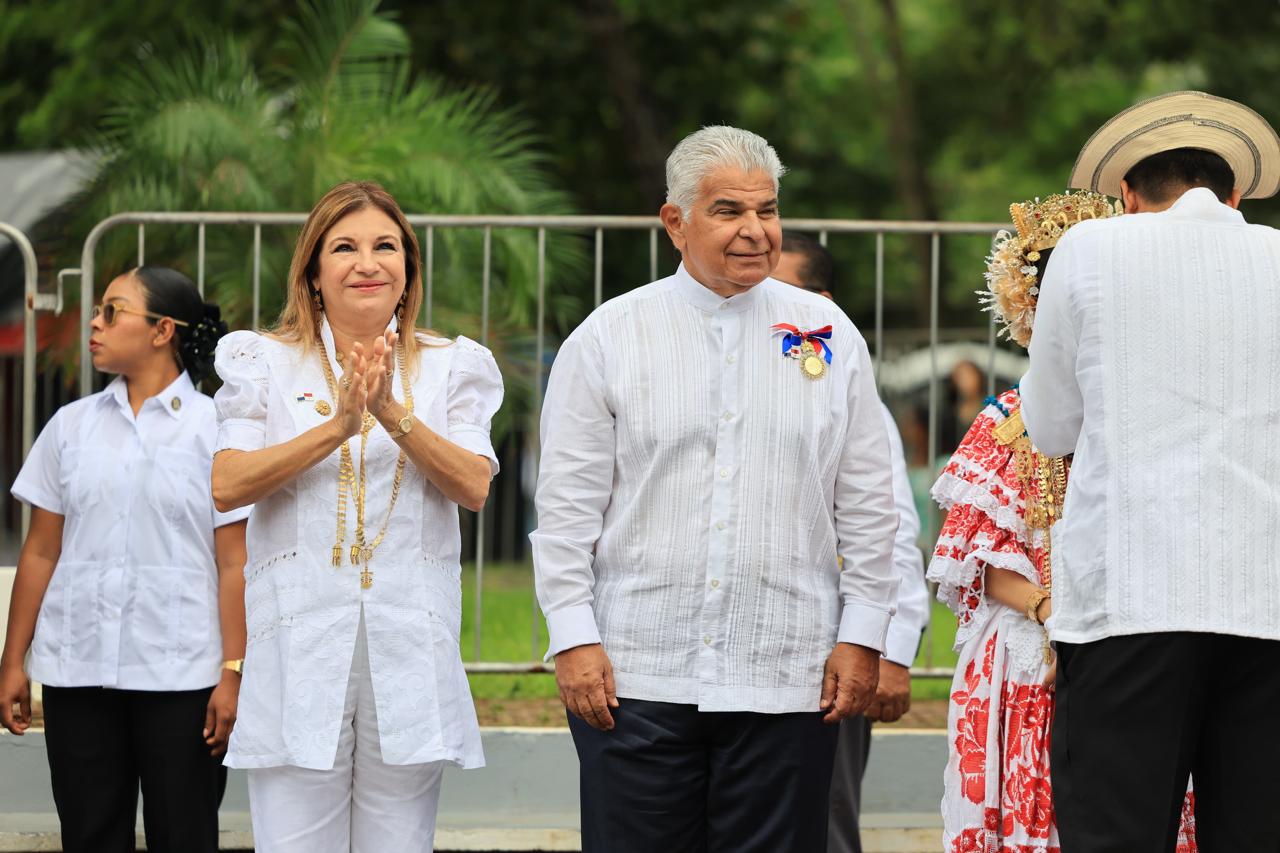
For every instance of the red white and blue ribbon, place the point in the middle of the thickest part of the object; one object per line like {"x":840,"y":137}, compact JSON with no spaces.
{"x":794,"y":338}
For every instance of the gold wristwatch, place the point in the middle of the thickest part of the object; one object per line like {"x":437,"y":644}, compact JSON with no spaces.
{"x":403,"y":427}
{"x":236,"y":666}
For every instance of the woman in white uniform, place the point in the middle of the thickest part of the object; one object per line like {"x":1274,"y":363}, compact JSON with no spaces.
{"x":356,"y":437}
{"x":129,"y":592}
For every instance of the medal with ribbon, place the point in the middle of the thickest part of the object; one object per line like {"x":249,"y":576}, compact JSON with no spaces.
{"x":810,"y":348}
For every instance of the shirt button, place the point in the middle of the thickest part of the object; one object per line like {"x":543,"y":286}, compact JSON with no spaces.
{"x":724,"y":472}
{"x":728,"y":416}
{"x":732,"y":358}
{"x":706,"y":640}
{"x":720,"y":525}
{"x":715,"y":583}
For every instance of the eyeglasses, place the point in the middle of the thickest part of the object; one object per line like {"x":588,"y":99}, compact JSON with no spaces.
{"x":109,"y":310}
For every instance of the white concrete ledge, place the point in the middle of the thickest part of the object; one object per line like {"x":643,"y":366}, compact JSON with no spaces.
{"x":526,"y":799}
{"x":883,"y":834}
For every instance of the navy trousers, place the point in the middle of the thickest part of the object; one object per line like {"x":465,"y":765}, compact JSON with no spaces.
{"x":672,"y":779}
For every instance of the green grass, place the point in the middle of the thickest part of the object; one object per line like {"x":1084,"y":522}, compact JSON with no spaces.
{"x":510,"y":619}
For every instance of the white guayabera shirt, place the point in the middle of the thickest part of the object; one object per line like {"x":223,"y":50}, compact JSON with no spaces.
{"x":303,"y":613}
{"x":1155,"y":359}
{"x":133,"y":601}
{"x":696,"y":488}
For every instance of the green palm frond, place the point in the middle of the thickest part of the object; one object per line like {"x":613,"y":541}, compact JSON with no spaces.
{"x":332,"y":41}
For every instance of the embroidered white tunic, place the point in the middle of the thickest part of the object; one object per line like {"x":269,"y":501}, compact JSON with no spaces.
{"x":303,"y":613}
{"x":696,"y":489}
{"x":1155,"y":358}
{"x":133,"y":601}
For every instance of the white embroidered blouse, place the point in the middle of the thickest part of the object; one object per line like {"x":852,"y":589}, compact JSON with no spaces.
{"x":303,"y":613}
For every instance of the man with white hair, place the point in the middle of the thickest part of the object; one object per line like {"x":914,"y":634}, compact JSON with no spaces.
{"x":711,"y":443}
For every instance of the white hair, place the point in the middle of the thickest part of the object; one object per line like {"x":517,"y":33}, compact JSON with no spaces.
{"x":703,"y":151}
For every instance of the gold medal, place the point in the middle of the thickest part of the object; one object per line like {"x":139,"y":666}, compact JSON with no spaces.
{"x":322,"y":408}
{"x":811,"y":364}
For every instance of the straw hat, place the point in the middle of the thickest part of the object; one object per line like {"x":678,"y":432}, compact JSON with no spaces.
{"x":1182,"y":120}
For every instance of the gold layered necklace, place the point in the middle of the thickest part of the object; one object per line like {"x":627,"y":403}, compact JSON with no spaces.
{"x":349,"y":477}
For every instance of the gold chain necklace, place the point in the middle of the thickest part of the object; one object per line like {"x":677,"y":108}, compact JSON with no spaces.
{"x":362,"y":551}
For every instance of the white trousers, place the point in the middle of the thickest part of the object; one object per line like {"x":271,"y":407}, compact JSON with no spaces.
{"x":360,"y":806}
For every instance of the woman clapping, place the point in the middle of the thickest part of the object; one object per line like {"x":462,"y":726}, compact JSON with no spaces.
{"x":356,"y":436}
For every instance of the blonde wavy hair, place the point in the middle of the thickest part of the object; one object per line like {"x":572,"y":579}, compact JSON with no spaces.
{"x":299,"y":320}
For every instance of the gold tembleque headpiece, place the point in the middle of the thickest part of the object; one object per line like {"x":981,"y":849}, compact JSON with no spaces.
{"x":1041,"y":224}
{"x":1012,"y":278}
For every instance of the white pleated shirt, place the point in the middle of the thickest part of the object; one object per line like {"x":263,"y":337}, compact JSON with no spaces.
{"x":696,"y":488}
{"x":133,"y":601}
{"x":1155,"y":359}
{"x":303,"y":613}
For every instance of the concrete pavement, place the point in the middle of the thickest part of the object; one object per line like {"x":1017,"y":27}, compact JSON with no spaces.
{"x":526,"y":799}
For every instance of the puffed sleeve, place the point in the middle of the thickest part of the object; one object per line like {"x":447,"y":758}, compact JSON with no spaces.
{"x":475,"y":394}
{"x":241,"y":402}
{"x":39,"y":482}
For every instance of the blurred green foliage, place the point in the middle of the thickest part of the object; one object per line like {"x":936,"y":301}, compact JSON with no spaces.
{"x":914,"y":109}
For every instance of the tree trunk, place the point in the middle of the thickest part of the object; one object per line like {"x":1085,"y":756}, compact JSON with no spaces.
{"x":896,"y":101}
{"x":646,"y":136}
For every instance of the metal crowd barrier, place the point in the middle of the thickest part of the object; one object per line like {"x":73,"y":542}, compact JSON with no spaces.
{"x":595,"y":226}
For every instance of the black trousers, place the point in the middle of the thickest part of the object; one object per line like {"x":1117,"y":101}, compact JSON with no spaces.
{"x":672,"y":779}
{"x":1137,"y":715}
{"x":102,"y":742}
{"x":852,"y":751}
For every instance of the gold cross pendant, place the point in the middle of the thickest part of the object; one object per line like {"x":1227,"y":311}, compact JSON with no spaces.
{"x":366,"y":578}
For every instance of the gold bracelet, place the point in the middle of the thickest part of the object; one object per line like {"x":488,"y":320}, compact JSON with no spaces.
{"x":1033,"y":604}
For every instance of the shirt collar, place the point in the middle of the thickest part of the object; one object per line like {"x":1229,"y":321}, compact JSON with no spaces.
{"x":1201,"y":203}
{"x":181,"y":390}
{"x":703,"y":297}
